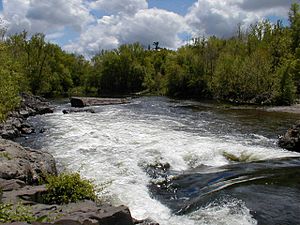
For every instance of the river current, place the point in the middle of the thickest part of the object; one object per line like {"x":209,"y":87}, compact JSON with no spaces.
{"x":176,"y":161}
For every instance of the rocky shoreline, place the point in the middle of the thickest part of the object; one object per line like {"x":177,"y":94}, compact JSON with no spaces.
{"x":16,"y":124}
{"x":22,"y":170}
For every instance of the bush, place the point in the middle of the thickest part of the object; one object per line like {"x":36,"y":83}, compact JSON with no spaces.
{"x":68,"y":187}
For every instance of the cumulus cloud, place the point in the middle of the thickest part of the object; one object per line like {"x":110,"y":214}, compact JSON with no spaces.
{"x":130,"y":21}
{"x":217,"y":17}
{"x":117,"y":6}
{"x":145,"y":26}
{"x":45,"y":16}
{"x":221,"y":18}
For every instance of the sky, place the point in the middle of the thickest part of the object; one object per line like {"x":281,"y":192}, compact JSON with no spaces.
{"x":88,"y":26}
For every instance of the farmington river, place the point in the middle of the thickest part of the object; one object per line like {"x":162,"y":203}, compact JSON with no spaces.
{"x":176,"y":161}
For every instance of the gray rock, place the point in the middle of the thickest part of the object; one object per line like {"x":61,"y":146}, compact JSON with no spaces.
{"x":291,"y":139}
{"x":13,"y":184}
{"x":24,"y":164}
{"x":87,"y":212}
{"x":15,"y":125}
{"x":80,"y":213}
{"x":27,"y":195}
{"x":84,"y":101}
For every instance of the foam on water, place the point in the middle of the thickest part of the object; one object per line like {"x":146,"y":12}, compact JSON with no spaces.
{"x":113,"y":145}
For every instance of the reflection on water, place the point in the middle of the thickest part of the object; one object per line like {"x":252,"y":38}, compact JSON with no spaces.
{"x":116,"y":144}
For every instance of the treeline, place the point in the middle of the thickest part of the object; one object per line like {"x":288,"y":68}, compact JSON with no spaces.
{"x":36,"y":66}
{"x":260,"y":66}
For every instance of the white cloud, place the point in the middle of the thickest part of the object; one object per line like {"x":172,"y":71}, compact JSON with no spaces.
{"x":45,"y":16}
{"x":130,"y":21}
{"x":220,"y":18}
{"x":145,"y":26}
{"x":117,"y":6}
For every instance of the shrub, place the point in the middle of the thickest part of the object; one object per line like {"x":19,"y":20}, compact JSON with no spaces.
{"x":68,"y":187}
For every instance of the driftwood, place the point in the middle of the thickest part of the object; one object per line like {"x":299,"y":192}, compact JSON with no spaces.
{"x":80,"y":102}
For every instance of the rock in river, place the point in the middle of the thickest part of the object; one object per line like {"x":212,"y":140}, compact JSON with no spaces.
{"x":291,"y":139}
{"x":85,"y":101}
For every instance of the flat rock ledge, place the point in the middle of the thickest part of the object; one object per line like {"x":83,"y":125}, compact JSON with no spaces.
{"x":81,"y":102}
{"x":16,"y":125}
{"x":20,"y":171}
{"x":24,"y":164}
{"x":291,"y":139}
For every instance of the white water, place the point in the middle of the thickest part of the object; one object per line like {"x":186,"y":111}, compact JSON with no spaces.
{"x":113,"y":145}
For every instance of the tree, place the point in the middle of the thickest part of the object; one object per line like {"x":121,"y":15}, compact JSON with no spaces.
{"x":294,"y":18}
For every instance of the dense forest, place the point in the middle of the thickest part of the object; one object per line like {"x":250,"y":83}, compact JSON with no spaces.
{"x":260,"y":65}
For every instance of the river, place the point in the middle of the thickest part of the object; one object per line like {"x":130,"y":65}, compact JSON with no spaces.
{"x":172,"y":160}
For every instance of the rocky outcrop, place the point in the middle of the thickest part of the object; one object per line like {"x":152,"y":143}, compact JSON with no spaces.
{"x":33,"y":105}
{"x":81,"y":102}
{"x":291,"y":139}
{"x":16,"y":125}
{"x":21,"y":168}
{"x":24,"y":164}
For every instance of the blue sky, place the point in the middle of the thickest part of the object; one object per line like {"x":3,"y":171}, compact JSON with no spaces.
{"x":178,"y":6}
{"x":87,"y":26}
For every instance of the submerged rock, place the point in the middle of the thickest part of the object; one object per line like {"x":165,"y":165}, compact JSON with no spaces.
{"x":81,"y":102}
{"x":68,"y":111}
{"x":291,"y":139}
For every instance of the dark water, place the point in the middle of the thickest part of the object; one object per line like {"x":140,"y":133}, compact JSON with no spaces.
{"x":126,"y":146}
{"x":270,"y":189}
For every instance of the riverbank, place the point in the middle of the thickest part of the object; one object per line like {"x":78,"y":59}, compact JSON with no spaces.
{"x":23,"y":172}
{"x":286,"y":109}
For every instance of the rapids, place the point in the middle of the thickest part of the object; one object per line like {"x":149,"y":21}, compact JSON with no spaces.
{"x":116,"y":145}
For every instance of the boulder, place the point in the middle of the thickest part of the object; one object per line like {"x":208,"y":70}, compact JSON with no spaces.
{"x":34,"y":105}
{"x":81,"y":102}
{"x":25,"y":164}
{"x":291,"y":139}
{"x":88,"y":212}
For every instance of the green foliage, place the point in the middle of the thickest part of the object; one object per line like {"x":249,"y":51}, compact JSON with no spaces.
{"x":15,"y":213}
{"x":294,"y":17}
{"x":68,"y":187}
{"x":5,"y":155}
{"x":260,"y":65}
{"x":9,"y":89}
{"x":120,"y":71}
{"x":287,"y":88}
{"x":243,"y":157}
